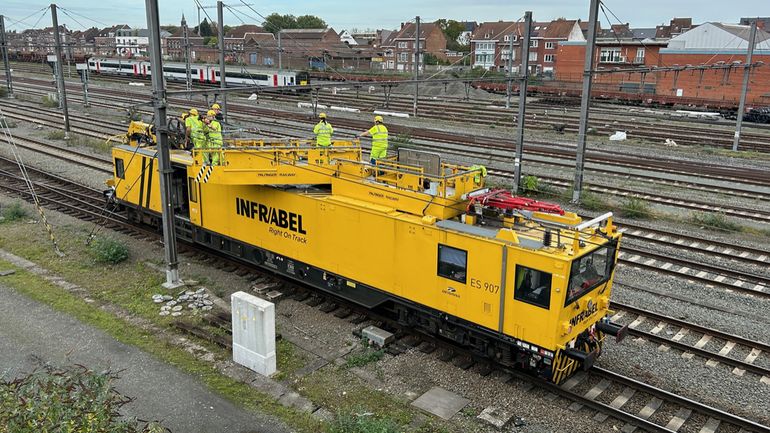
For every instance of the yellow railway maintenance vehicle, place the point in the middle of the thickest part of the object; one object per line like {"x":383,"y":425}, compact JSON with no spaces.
{"x":515,"y":280}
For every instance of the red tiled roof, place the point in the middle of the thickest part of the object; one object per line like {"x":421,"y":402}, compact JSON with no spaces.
{"x":496,"y":29}
{"x":558,"y":29}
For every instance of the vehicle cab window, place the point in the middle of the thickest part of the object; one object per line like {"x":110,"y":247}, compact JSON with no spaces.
{"x":590,"y":271}
{"x":533,"y":287}
{"x":452,"y":263}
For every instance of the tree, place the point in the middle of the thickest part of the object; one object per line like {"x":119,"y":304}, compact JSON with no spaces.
{"x":276,"y":22}
{"x":452,"y":30}
{"x":227,"y":29}
{"x":211,"y":41}
{"x":205,"y":28}
{"x":310,"y":22}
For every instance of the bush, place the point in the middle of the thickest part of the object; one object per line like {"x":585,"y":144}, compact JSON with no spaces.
{"x":365,"y":422}
{"x":368,"y":356}
{"x":50,"y":102}
{"x":716,"y":221}
{"x":108,"y":250}
{"x":402,"y":139}
{"x":14,"y":212}
{"x":73,"y":400}
{"x":55,"y":135}
{"x":588,"y":200}
{"x":530,"y":185}
{"x":635,"y":207}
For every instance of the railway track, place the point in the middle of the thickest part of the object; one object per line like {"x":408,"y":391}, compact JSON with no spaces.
{"x":483,"y":153}
{"x":695,"y":340}
{"x":544,"y":148}
{"x":584,"y":390}
{"x":539,"y":117}
{"x":710,"y":275}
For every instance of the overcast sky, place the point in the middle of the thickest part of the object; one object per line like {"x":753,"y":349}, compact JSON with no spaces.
{"x":384,"y":13}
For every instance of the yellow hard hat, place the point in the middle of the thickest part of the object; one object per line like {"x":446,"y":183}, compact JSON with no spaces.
{"x":194,"y":111}
{"x":322,"y":115}
{"x":378,"y":118}
{"x":185,"y":115}
{"x":215,"y":107}
{"x":212,"y":113}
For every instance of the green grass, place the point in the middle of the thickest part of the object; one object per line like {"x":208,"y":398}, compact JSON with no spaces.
{"x":746,"y":154}
{"x":98,"y":145}
{"x":715,"y":221}
{"x":588,"y":200}
{"x":339,"y":390}
{"x":55,"y":135}
{"x":130,"y":284}
{"x":14,"y":212}
{"x":362,"y":422}
{"x":635,"y":208}
{"x":125,"y":332}
{"x":49,"y":102}
{"x":364,"y":357}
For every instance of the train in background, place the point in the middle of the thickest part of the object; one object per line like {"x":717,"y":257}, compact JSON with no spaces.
{"x":200,"y":73}
{"x":568,"y":93}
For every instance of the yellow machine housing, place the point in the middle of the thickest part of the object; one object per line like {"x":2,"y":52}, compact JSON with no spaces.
{"x":529,"y":289}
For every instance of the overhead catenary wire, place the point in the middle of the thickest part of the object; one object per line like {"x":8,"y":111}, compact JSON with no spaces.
{"x":86,"y":17}
{"x":23,"y":20}
{"x":73,"y":18}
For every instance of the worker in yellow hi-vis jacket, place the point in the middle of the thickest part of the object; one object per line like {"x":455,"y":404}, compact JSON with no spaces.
{"x":379,"y":135}
{"x":214,"y":137}
{"x":323,"y":131}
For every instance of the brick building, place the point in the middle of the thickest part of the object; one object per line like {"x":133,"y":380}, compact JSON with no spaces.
{"x":712,"y":43}
{"x":491,"y":44}
{"x":399,"y":49}
{"x":678,"y":44}
{"x":617,"y":47}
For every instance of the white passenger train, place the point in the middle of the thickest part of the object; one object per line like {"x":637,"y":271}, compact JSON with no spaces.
{"x":200,"y":73}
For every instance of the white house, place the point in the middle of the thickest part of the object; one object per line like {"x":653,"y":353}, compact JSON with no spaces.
{"x":134,"y":42}
{"x":347,"y":38}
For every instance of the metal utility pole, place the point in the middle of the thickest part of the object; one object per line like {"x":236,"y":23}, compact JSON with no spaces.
{"x":280,"y":51}
{"x":186,"y":36}
{"x":416,"y":64}
{"x":585,"y":100}
{"x":523,"y":77}
{"x":199,"y":21}
{"x":164,"y":159}
{"x":4,"y":48}
{"x":746,"y":73}
{"x":222,"y":80}
{"x":510,"y":72}
{"x":84,"y":79}
{"x":60,"y":72}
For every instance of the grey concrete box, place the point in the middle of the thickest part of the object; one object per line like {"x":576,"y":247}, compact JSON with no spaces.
{"x":253,"y":333}
{"x":495,"y":416}
{"x":440,"y":402}
{"x":379,"y":337}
